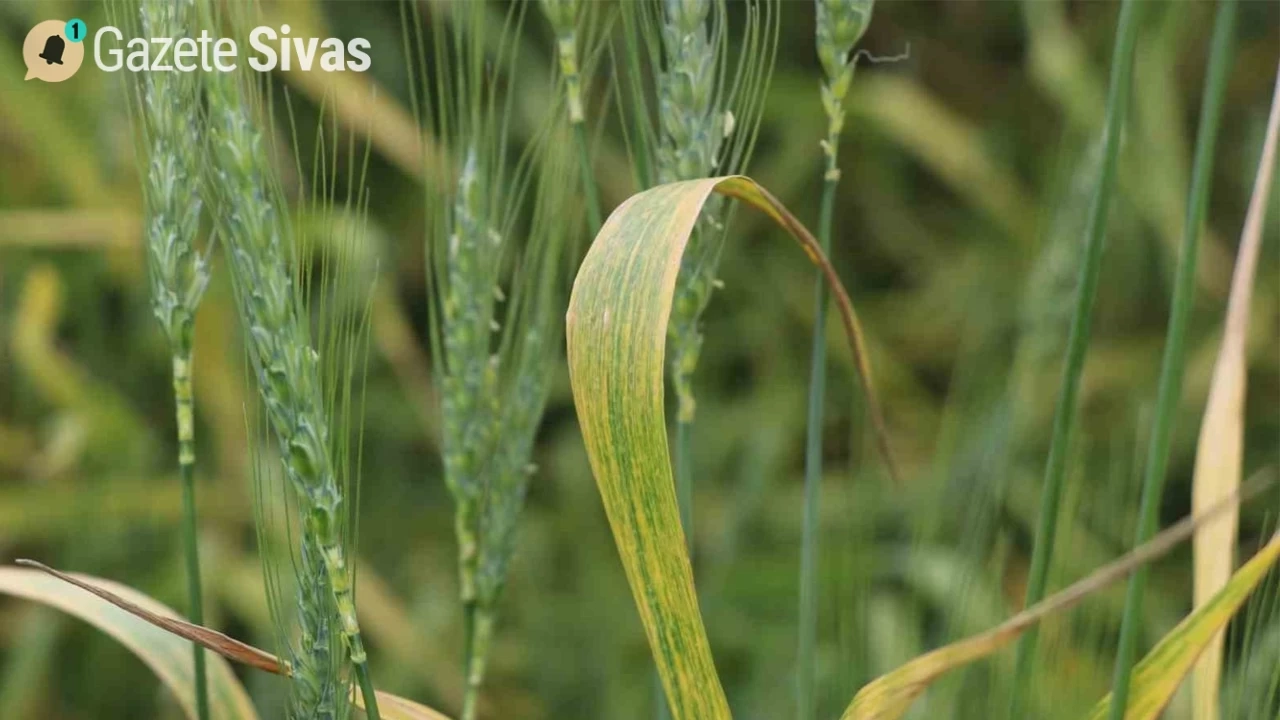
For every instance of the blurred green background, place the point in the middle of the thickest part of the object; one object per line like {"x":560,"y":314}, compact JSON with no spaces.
{"x":967,"y":172}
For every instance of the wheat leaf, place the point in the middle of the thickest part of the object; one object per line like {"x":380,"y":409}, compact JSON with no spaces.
{"x":617,"y":330}
{"x":889,"y":696}
{"x":168,"y":655}
{"x":156,"y":635}
{"x":1158,"y":676}
{"x":164,"y":619}
{"x":1221,"y":443}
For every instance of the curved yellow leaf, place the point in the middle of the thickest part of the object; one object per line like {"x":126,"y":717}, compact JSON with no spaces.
{"x":1158,"y":676}
{"x":616,"y":332}
{"x":168,"y":656}
{"x":1221,"y":443}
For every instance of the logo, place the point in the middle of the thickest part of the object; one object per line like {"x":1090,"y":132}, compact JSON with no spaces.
{"x":54,"y":49}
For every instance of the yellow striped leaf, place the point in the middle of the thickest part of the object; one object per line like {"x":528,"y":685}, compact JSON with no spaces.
{"x":616,"y":332}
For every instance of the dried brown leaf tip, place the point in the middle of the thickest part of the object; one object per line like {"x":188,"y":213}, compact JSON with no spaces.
{"x":227,"y":647}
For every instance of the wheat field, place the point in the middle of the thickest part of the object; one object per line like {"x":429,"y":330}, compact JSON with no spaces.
{"x":488,"y":381}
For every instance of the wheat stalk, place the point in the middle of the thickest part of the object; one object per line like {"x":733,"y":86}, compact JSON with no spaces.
{"x":495,"y":311}
{"x":178,"y":272}
{"x":264,"y":269}
{"x":839,"y":25}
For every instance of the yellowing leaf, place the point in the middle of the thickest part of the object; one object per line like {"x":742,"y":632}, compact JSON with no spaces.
{"x":154,"y":633}
{"x":1158,"y":676}
{"x":168,"y":656}
{"x":1221,"y":443}
{"x":889,"y":696}
{"x":616,"y":332}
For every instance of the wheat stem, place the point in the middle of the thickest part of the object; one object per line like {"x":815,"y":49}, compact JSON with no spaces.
{"x":185,"y":409}
{"x":263,"y":266}
{"x":178,"y":273}
{"x":840,"y":23}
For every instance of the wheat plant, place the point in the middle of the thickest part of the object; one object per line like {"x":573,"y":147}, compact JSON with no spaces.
{"x":271,"y":277}
{"x":922,"y":590}
{"x":170,"y":115}
{"x":496,"y":240}
{"x":840,"y":24}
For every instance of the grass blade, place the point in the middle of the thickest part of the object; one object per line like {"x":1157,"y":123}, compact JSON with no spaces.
{"x":1220,"y":446}
{"x":167,"y":655}
{"x":1171,"y":371}
{"x":1078,"y":342}
{"x":890,"y":696}
{"x":617,"y":332}
{"x":1158,"y":676}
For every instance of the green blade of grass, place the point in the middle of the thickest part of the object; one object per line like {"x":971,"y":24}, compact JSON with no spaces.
{"x":1158,"y":676}
{"x":806,"y":658}
{"x":617,"y":332}
{"x":1078,"y":342}
{"x":1171,"y":370}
